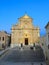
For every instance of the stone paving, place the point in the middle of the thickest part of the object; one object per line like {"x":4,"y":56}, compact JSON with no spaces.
{"x":24,"y":56}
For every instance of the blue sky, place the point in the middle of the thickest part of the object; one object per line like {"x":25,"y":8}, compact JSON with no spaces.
{"x":10,"y":10}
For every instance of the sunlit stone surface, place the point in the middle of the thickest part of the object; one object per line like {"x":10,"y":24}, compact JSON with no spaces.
{"x":24,"y":32}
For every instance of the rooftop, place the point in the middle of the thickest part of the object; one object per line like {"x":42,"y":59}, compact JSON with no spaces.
{"x":25,"y":16}
{"x":47,"y":25}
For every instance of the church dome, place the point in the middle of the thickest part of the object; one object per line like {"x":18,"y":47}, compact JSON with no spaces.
{"x":25,"y":17}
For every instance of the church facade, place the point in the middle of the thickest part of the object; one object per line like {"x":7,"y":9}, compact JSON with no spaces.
{"x":24,"y":32}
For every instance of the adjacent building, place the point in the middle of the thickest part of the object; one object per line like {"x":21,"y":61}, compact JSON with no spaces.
{"x":4,"y":39}
{"x":24,"y":32}
{"x":44,"y":43}
{"x":47,"y":34}
{"x":47,"y":41}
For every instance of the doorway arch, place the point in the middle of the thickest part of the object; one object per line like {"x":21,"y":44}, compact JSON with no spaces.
{"x":26,"y":41}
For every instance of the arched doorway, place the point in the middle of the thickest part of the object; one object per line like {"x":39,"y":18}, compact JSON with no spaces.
{"x":26,"y":41}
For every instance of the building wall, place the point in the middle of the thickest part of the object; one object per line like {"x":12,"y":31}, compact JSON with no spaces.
{"x":24,"y":29}
{"x":43,"y":44}
{"x":47,"y":42}
{"x":5,"y":40}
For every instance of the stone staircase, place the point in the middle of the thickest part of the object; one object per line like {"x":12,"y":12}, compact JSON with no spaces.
{"x":27,"y":55}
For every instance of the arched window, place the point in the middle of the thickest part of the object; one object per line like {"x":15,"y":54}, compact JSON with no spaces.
{"x":0,"y":38}
{"x":3,"y":38}
{"x":48,"y":37}
{"x":48,"y":46}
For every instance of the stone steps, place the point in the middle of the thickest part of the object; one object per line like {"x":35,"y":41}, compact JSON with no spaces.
{"x":26,"y":55}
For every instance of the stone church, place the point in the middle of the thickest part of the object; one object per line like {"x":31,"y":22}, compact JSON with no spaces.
{"x":24,"y":32}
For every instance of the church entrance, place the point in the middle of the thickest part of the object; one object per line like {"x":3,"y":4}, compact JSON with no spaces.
{"x":26,"y":41}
